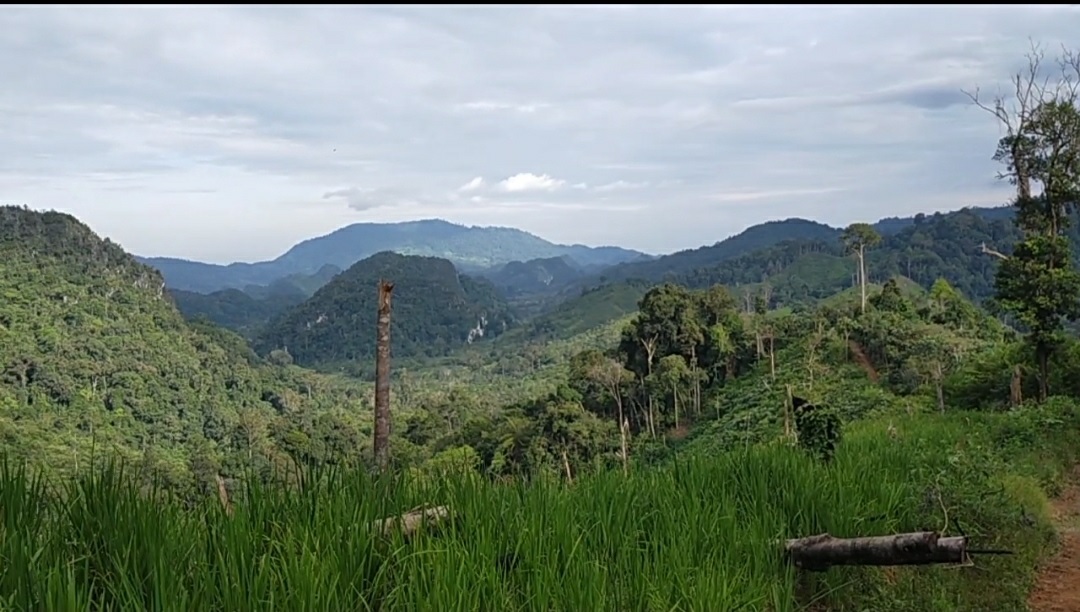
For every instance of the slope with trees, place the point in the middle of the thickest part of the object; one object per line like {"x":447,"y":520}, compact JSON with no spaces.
{"x":436,"y":310}
{"x":94,"y":356}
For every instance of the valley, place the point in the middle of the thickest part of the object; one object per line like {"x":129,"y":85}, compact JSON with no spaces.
{"x":696,"y":357}
{"x":427,"y":415}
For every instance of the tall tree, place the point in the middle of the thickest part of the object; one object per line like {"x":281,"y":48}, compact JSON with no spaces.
{"x":1039,"y":283}
{"x":857,"y":238}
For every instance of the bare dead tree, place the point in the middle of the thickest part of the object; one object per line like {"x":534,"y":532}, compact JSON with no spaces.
{"x":989,"y":251}
{"x":382,"y":378}
{"x":1016,"y":113}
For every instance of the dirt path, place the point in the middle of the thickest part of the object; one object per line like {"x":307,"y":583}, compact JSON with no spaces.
{"x":1057,"y":588}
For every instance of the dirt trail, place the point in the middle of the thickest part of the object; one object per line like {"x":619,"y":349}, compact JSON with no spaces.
{"x":1057,"y":588}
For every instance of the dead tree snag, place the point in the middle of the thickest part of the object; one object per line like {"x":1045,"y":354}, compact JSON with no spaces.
{"x":382,"y":378}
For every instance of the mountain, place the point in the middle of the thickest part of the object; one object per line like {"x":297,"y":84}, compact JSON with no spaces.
{"x":294,"y":285}
{"x":468,"y":248}
{"x":942,"y":245}
{"x":232,"y":308}
{"x":796,"y":270}
{"x":435,"y":310}
{"x":245,"y":311}
{"x":754,"y":238}
{"x":519,"y":278}
{"x":93,"y":354}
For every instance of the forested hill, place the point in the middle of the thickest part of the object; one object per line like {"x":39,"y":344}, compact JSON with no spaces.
{"x":934,"y":246}
{"x":435,"y":310}
{"x":762,"y":240}
{"x":93,"y":354}
{"x":923,"y":248}
{"x":469,"y":248}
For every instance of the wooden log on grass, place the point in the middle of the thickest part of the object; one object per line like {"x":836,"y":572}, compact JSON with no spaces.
{"x":409,"y":522}
{"x":820,"y":552}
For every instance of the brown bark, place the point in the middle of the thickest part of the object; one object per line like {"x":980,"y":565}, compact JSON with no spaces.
{"x":223,"y":495}
{"x":624,"y":429}
{"x":862,"y":277}
{"x":650,"y":353}
{"x":382,"y":378}
{"x":409,"y":522}
{"x":820,"y":552}
{"x":1016,"y":387}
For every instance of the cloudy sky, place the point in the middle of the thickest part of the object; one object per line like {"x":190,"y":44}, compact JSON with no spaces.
{"x":225,"y":134}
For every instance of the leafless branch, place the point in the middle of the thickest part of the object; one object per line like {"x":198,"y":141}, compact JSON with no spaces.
{"x":989,"y":251}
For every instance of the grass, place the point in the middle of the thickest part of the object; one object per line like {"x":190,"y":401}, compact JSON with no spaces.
{"x":696,"y":534}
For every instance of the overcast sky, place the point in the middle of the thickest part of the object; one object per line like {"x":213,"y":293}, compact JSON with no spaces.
{"x":226,"y":134}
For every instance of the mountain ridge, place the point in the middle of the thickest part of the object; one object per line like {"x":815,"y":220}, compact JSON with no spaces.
{"x":469,"y":248}
{"x":436,"y":310}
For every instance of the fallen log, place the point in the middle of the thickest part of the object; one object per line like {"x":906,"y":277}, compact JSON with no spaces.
{"x":409,"y":522}
{"x":820,"y":552}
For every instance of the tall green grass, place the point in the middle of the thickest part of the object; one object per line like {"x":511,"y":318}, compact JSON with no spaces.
{"x":698,"y":534}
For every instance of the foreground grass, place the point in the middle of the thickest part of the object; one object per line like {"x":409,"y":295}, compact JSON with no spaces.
{"x":695,"y":535}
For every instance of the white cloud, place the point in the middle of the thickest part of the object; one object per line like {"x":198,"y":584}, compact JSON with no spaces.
{"x":473,"y":185}
{"x":215,"y":131}
{"x":620,"y":185}
{"x":527,"y":181}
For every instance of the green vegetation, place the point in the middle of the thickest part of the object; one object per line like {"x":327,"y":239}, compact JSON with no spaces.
{"x":435,"y":311}
{"x":232,"y":308}
{"x":93,"y":356}
{"x":640,"y":446}
{"x":702,"y":530}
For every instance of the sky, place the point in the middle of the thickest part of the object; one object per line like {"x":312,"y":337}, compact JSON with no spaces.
{"x":224,"y":133}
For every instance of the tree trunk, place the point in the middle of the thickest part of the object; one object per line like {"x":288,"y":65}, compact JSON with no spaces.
{"x":772,"y":354}
{"x":1016,"y":387}
{"x":820,"y":552}
{"x":410,"y":521}
{"x":624,"y":430}
{"x":697,"y":380}
{"x":862,"y":277}
{"x":940,"y":385}
{"x":382,"y":378}
{"x":675,"y":401}
{"x":650,"y":352}
{"x":1043,"y":355}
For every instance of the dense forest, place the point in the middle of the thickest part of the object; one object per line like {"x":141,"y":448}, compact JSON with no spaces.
{"x":652,"y":440}
{"x":437,"y":310}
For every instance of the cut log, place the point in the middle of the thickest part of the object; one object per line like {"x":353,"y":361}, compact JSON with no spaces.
{"x":819,"y":553}
{"x":409,"y":522}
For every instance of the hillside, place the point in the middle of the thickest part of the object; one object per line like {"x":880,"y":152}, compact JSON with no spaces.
{"x":435,"y":310}
{"x":247,"y":311}
{"x":469,"y":248}
{"x":789,"y":239}
{"x":709,"y":427}
{"x":543,"y":275}
{"x":937,"y":246}
{"x":94,"y":355}
{"x":754,"y":238}
{"x":232,"y":308}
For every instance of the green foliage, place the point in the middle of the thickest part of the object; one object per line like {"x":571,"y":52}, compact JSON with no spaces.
{"x":232,"y":308}
{"x":434,"y":312}
{"x":536,"y":276}
{"x":94,"y":357}
{"x":818,"y":429}
{"x":1039,"y":283}
{"x":606,"y":543}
